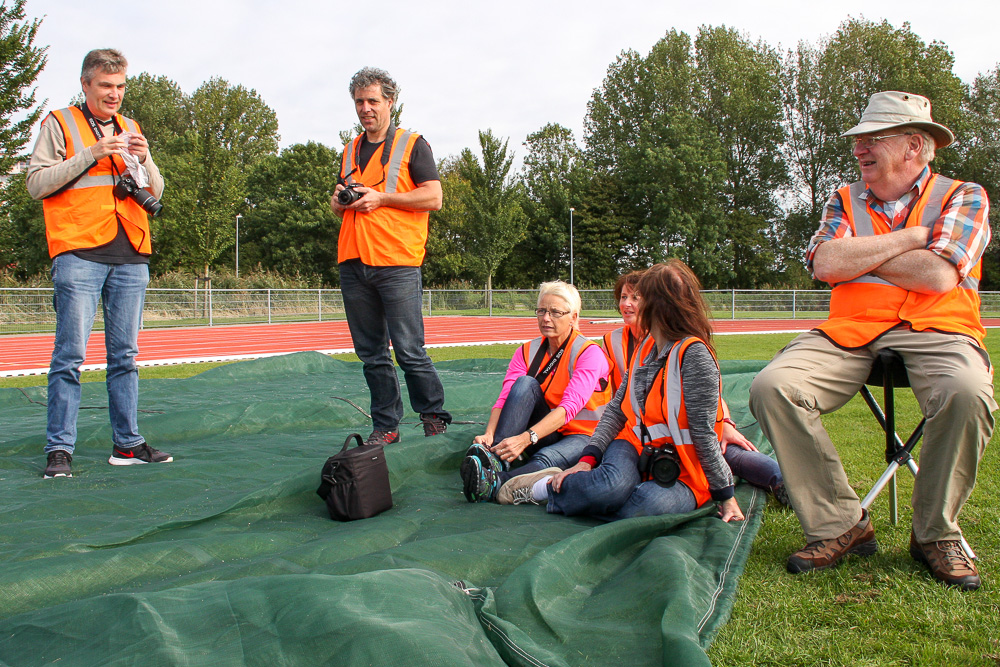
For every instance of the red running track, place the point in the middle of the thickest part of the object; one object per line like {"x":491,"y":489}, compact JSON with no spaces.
{"x":29,"y":355}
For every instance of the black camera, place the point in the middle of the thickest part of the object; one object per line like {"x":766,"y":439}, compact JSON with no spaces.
{"x":127,"y":187}
{"x":661,"y":464}
{"x":349,"y":194}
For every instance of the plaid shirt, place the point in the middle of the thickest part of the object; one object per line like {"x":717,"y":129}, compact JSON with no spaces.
{"x":960,"y":235}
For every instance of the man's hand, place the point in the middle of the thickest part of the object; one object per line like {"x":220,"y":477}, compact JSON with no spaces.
{"x":108,"y":146}
{"x":370,"y":200}
{"x":139,"y":147}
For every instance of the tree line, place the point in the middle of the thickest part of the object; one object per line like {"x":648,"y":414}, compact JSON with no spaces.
{"x":712,"y":148}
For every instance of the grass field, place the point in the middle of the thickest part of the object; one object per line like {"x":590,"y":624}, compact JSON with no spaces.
{"x":883,"y":610}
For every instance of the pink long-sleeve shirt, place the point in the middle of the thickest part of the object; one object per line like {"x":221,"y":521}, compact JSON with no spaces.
{"x":591,"y":366}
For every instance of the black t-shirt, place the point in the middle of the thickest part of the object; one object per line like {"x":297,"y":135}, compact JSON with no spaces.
{"x":422,"y":166}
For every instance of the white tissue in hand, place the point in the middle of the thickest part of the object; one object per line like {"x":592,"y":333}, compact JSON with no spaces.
{"x":132,"y":162}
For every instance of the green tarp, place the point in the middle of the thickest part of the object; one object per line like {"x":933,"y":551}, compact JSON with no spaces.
{"x":227,"y":557}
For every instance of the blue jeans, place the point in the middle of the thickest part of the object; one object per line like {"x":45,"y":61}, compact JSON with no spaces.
{"x":78,"y":284}
{"x":757,"y":468}
{"x":382,"y":304}
{"x":525,"y":405}
{"x":614,"y":490}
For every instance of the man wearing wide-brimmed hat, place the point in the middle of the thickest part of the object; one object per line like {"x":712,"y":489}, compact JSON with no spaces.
{"x":901,"y":248}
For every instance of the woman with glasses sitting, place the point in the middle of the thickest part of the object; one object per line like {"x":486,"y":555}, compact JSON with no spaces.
{"x":552,"y":398}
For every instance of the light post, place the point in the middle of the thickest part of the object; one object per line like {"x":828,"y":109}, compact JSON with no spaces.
{"x":571,"y":209}
{"x":238,"y":216}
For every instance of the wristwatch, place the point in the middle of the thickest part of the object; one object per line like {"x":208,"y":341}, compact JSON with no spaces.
{"x":533,"y":437}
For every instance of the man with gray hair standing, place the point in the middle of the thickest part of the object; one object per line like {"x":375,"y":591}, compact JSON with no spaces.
{"x":387,"y":187}
{"x":99,"y":241}
{"x":902,"y":248}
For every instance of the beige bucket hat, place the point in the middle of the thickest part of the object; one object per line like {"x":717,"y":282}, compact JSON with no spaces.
{"x":892,"y":108}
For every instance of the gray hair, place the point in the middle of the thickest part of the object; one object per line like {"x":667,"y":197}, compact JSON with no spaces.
{"x":564,"y":291}
{"x":367,"y":76}
{"x":109,"y":61}
{"x":930,"y":145}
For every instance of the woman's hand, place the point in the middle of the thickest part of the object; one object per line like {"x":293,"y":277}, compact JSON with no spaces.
{"x":510,"y":448}
{"x":731,"y":436}
{"x":557,"y":479}
{"x":486,"y":439}
{"x":729,"y":510}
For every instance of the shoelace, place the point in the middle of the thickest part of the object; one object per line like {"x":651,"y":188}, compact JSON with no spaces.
{"x":522,"y":495}
{"x":953,"y":554}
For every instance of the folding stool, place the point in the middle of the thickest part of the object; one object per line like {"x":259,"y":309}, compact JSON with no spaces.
{"x":889,"y":372}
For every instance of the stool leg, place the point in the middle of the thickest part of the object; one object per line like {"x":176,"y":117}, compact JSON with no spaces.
{"x":893,"y":502}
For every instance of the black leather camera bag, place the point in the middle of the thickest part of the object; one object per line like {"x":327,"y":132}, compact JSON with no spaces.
{"x":355,"y":482}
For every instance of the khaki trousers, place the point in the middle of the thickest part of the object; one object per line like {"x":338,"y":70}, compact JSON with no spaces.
{"x":952,"y":380}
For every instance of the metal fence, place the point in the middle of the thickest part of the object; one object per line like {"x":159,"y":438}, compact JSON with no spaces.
{"x":29,"y":309}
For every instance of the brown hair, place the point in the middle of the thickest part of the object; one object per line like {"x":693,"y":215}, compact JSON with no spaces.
{"x":671,"y":298}
{"x":630,"y":279}
{"x":109,"y":61}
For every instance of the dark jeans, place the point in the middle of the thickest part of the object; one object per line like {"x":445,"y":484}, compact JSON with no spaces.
{"x":757,"y":468}
{"x":382,"y":305}
{"x":525,"y":405}
{"x":613,"y":490}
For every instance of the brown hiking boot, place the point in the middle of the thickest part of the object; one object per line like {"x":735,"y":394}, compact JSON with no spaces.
{"x":947,"y":561}
{"x":822,"y":554}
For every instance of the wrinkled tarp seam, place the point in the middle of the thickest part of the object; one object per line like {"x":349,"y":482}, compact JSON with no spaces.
{"x":511,"y":644}
{"x":744,"y":526}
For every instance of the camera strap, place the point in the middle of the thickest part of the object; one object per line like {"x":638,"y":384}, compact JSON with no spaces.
{"x":93,"y":122}
{"x":549,"y":367}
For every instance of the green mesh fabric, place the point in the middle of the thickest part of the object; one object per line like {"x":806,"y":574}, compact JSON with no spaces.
{"x":227,"y":557}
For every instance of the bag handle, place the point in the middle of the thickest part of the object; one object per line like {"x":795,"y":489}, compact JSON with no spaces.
{"x":356,"y":436}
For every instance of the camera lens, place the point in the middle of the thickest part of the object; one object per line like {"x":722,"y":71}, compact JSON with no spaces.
{"x":148,"y":202}
{"x":348,"y":196}
{"x":665,"y":470}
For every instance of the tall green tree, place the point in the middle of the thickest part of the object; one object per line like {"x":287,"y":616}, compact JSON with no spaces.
{"x":23,"y":250}
{"x":495,"y":219}
{"x":550,"y":168}
{"x":445,"y":261}
{"x":979,"y":149}
{"x":20,"y":63}
{"x":665,"y":163}
{"x":742,"y":99}
{"x":289,"y":226}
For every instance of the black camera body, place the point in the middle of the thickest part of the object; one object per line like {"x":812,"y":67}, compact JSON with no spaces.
{"x":349,"y":194}
{"x":127,"y":187}
{"x":661,"y":464}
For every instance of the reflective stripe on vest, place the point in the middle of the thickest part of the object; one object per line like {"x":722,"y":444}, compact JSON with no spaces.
{"x":586,"y":419}
{"x":865,"y":307}
{"x":85,"y":213}
{"x":673,"y":427}
{"x":385,"y":236}
{"x":393,"y":166}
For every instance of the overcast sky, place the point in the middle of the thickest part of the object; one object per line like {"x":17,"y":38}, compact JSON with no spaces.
{"x":462,"y":65}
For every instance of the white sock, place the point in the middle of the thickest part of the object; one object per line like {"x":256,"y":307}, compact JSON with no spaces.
{"x":538,"y":490}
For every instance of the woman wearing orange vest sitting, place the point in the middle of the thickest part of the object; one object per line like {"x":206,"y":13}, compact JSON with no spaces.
{"x":620,"y":345}
{"x":669,"y":461}
{"x":552,"y":398}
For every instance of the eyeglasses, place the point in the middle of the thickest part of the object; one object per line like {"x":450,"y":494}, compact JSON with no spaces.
{"x":553,"y":313}
{"x":868,"y":142}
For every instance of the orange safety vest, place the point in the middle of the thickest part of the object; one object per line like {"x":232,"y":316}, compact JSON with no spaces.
{"x":617,"y":351}
{"x":85,"y":213}
{"x":866,"y":307}
{"x":666,"y":419}
{"x":554,"y":385}
{"x":386,"y":236}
